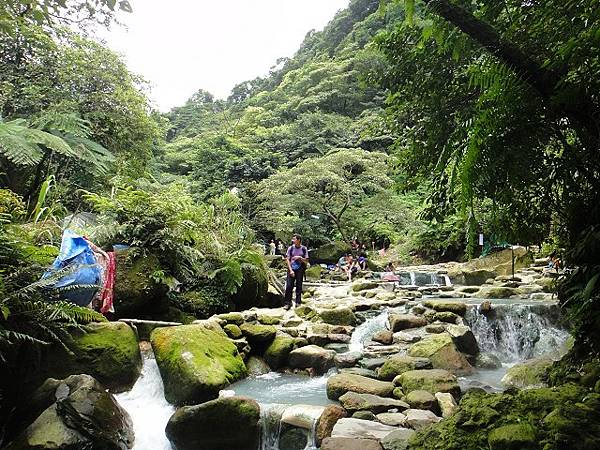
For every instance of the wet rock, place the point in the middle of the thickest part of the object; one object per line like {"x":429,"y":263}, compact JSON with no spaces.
{"x":349,"y":359}
{"x":372,"y":363}
{"x":83,"y":416}
{"x":364,"y":415}
{"x":312,"y":356}
{"x":463,"y":338}
{"x":446,"y":403}
{"x":420,"y":399}
{"x":278,"y":351}
{"x":234,"y":318}
{"x":302,"y":416}
{"x":404,"y":337}
{"x":363,"y":286}
{"x":418,"y":310}
{"x":468,"y":289}
{"x":514,"y":436}
{"x":338,"y":347}
{"x":257,"y":366}
{"x":399,"y":322}
{"x":352,"y":401}
{"x":338,"y":385}
{"x":487,"y":361}
{"x":360,"y":371}
{"x":292,"y":322}
{"x":496,"y":292}
{"x":458,"y":308}
{"x":338,"y":316}
{"x":342,"y":443}
{"x":361,"y":429}
{"x":397,"y":364}
{"x":446,"y":316}
{"x":397,"y":440}
{"x":442,"y":352}
{"x":266,"y":319}
{"x":225,"y":423}
{"x":258,"y":335}
{"x":529,"y":374}
{"x":435,"y":328}
{"x":384,"y":337}
{"x":432,"y":380}
{"x":331,"y":414}
{"x":485,"y":307}
{"x":292,"y":438}
{"x":420,"y":418}
{"x":392,"y":419}
{"x":195,"y":362}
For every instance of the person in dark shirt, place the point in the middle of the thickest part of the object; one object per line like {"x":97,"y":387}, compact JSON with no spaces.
{"x":296,"y":259}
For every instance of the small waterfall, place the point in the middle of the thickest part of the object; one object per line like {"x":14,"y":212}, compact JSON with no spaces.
{"x":311,"y":443}
{"x":413,"y":278}
{"x":270,"y":424}
{"x":518,"y":332}
{"x":147,"y":406}
{"x":366,"y":329}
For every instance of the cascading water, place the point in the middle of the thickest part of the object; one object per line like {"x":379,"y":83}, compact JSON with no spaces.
{"x":147,"y":406}
{"x":517,"y":332}
{"x":365,"y":330}
{"x":270,"y":422}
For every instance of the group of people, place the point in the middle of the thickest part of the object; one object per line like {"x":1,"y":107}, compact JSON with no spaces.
{"x":276,"y":247}
{"x":351,"y":265}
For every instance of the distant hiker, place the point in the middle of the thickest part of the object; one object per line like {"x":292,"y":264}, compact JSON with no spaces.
{"x":280,"y":247}
{"x":296,"y":258}
{"x":272,"y":247}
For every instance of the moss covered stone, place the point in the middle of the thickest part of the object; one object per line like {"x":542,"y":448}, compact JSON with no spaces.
{"x":432,"y":380}
{"x":306,"y":312}
{"x":338,"y":385}
{"x":137,"y":294}
{"x":233,"y":317}
{"x":108,"y":351}
{"x":528,"y":374}
{"x":397,"y":364}
{"x":442,"y":352}
{"x":518,"y":436}
{"x":225,"y":423}
{"x":195,"y":362}
{"x":278,"y":351}
{"x":562,"y":417}
{"x":254,"y":288}
{"x":233,"y":331}
{"x":314,"y":272}
{"x":338,"y":316}
{"x":258,"y":334}
{"x":497,"y":292}
{"x":459,"y":308}
{"x":364,"y":286}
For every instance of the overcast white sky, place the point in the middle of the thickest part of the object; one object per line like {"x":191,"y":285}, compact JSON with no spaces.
{"x":183,"y":45}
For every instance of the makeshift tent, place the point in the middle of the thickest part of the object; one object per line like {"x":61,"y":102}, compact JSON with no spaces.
{"x":90,"y":270}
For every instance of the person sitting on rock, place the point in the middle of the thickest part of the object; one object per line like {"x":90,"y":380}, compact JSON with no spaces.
{"x":341,"y":265}
{"x":351,"y":266}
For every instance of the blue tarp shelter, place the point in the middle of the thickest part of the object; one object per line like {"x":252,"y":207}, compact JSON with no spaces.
{"x":84,"y":270}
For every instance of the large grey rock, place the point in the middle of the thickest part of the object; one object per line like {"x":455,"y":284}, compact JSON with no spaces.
{"x":224,"y":423}
{"x":419,"y":418}
{"x":351,"y":401}
{"x":397,"y":440}
{"x":487,"y":360}
{"x":338,"y":385}
{"x":399,"y":322}
{"x":463,"y":338}
{"x":392,"y":419}
{"x":312,"y":356}
{"x":420,"y":399}
{"x":349,"y":359}
{"x":361,"y":429}
{"x":397,"y":364}
{"x":446,"y":403}
{"x":343,"y":443}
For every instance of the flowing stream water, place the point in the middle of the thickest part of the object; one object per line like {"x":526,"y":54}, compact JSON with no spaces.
{"x":147,"y":406}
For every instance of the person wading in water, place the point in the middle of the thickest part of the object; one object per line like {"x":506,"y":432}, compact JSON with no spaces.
{"x":296,"y":258}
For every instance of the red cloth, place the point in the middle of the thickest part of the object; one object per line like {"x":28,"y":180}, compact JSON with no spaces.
{"x":109,"y":283}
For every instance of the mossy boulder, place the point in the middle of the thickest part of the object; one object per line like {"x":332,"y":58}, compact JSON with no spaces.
{"x":235,"y":318}
{"x":258,"y":335}
{"x":306,"y":312}
{"x":397,"y":364}
{"x":330,"y":253}
{"x":563,"y":417}
{"x":136,"y":293}
{"x":338,"y":316}
{"x":205,"y":301}
{"x":431,"y":380}
{"x":399,"y":322}
{"x":497,"y":292}
{"x":278,"y":351}
{"x":108,"y":351}
{"x":442,"y":352}
{"x":421,"y":399}
{"x":233,"y":331}
{"x":254,"y":288}
{"x":338,"y":385}
{"x":195,"y":362}
{"x":224,"y":423}
{"x":528,"y":374}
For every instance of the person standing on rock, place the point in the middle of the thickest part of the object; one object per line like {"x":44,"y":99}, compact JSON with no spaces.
{"x":296,"y":259}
